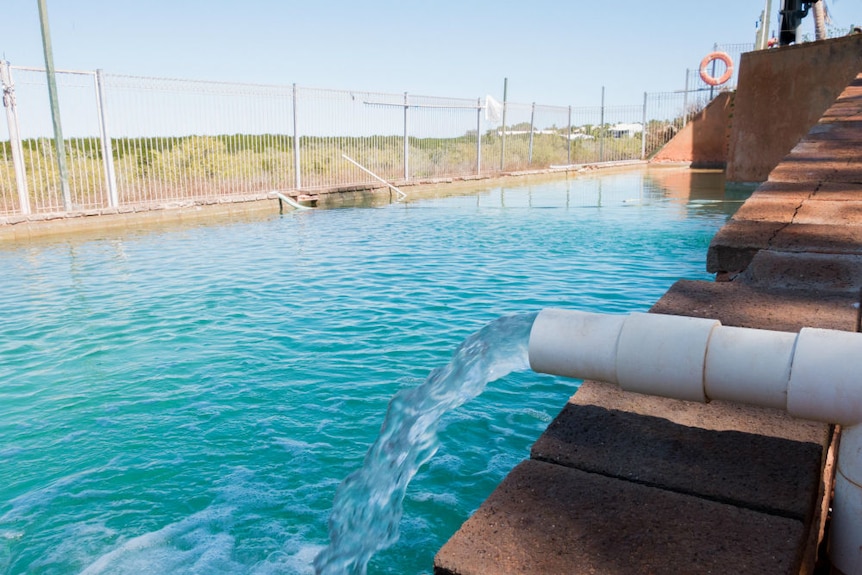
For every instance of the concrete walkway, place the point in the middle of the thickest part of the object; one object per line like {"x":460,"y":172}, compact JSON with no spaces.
{"x":622,"y":483}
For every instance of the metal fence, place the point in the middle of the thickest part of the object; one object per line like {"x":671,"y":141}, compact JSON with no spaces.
{"x":132,"y":141}
{"x":699,"y":92}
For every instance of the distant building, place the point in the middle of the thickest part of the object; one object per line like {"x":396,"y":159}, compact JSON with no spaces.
{"x":625,"y":130}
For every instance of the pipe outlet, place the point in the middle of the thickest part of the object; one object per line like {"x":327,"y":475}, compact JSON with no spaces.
{"x":813,"y":375}
{"x":575,"y":344}
{"x":826,"y":377}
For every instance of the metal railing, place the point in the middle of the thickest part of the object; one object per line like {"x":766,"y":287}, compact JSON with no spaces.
{"x":134,"y":141}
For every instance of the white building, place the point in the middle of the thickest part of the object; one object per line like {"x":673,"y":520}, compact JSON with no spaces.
{"x":625,"y":130}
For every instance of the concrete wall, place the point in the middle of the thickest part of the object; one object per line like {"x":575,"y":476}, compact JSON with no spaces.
{"x":781,"y":94}
{"x":703,"y":141}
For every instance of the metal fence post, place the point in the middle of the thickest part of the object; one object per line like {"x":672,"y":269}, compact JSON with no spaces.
{"x":643,"y":130}
{"x":107,"y":148}
{"x":532,"y":121}
{"x":503,"y":129}
{"x":602,"y":129}
{"x":478,"y":136}
{"x":55,"y":106}
{"x":406,"y":142}
{"x":297,"y":175}
{"x":569,"y":139}
{"x":712,"y":72}
{"x":14,"y":137}
{"x":685,"y":100}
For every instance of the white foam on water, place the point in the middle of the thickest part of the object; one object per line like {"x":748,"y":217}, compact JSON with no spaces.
{"x":540,"y":415}
{"x":448,"y":499}
{"x":296,"y":559}
{"x":196,"y":544}
{"x":296,"y":446}
{"x":499,"y":464}
{"x":77,"y":546}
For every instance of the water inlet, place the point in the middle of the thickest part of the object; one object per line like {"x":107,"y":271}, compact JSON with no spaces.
{"x":815,"y":374}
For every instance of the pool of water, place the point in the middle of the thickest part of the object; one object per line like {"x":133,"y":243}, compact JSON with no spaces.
{"x":188,"y":400}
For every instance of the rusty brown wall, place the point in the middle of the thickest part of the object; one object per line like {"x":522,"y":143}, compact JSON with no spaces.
{"x":780,"y":95}
{"x":703,"y":141}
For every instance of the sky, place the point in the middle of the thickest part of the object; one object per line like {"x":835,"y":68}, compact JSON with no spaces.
{"x":556,"y":52}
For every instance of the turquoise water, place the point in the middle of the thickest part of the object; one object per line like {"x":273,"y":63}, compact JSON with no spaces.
{"x":188,"y":401}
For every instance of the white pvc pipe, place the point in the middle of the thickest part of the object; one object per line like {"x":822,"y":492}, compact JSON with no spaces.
{"x":738,"y":356}
{"x":845,"y":539}
{"x":401,"y":195}
{"x":826,"y":377}
{"x":815,"y":374}
{"x":595,"y":337}
{"x":670,"y":362}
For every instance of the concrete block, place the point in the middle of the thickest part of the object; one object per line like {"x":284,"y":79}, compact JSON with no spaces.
{"x":769,"y":209}
{"x":809,"y":149}
{"x":760,"y":307}
{"x":761,"y":472}
{"x":715,"y":415}
{"x":547,"y":518}
{"x":795,"y":168}
{"x":791,"y":191}
{"x":851,"y":172}
{"x":736,"y":243}
{"x":804,"y":271}
{"x":847,"y":110}
{"x":822,"y":237}
{"x":838,"y":191}
{"x":838,"y":130}
{"x":830,"y":212}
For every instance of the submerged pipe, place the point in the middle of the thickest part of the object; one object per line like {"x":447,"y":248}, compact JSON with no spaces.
{"x":815,"y":374}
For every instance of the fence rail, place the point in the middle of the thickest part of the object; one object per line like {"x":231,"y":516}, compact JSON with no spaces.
{"x":133,"y":140}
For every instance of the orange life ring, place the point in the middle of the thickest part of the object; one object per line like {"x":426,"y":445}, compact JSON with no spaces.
{"x":724,"y":77}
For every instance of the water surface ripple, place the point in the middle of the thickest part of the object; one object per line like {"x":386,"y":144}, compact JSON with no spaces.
{"x":188,"y":400}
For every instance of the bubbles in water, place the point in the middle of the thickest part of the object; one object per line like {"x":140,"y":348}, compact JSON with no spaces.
{"x":198,"y":544}
{"x":367,"y":508}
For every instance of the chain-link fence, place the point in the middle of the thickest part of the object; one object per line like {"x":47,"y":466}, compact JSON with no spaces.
{"x":132,"y":141}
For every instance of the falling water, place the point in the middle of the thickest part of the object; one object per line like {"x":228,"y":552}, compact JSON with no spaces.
{"x":367,"y":507}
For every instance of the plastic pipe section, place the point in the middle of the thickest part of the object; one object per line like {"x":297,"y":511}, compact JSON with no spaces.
{"x":815,"y":374}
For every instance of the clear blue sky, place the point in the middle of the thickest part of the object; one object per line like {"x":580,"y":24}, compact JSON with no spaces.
{"x":552,"y":51}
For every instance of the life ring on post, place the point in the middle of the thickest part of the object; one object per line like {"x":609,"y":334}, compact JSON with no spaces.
{"x":728,"y":72}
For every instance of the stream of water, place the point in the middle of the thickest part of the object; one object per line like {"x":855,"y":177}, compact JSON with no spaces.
{"x":367,"y":510}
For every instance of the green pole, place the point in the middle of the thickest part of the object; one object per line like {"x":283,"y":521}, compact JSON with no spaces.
{"x":55,"y":106}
